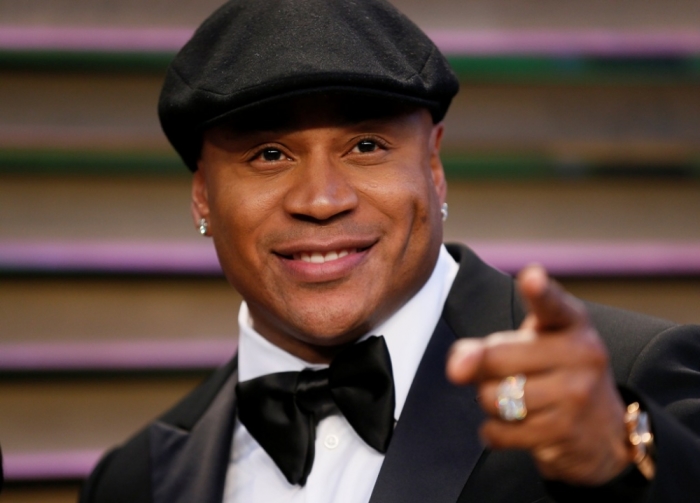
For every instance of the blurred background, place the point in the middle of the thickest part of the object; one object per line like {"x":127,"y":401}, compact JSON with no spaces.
{"x":574,"y":141}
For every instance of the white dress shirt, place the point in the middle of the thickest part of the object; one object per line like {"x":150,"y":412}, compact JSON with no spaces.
{"x":345,"y":468}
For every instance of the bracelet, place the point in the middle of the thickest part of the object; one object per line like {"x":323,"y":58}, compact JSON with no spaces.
{"x":641,"y":440}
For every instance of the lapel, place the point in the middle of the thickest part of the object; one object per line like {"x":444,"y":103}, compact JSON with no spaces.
{"x":435,"y":445}
{"x":191,"y":445}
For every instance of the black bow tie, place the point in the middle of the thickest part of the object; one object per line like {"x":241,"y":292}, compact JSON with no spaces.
{"x":281,"y":410}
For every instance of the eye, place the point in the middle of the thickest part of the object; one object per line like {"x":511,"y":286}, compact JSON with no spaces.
{"x":366,"y":146}
{"x":272,"y":154}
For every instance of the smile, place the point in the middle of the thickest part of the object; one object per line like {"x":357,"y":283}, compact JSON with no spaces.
{"x":321,"y":258}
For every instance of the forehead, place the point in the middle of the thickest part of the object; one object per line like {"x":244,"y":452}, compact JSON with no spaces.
{"x":331,"y":109}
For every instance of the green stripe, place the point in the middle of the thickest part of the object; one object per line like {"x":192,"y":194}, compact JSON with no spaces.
{"x":469,"y":68}
{"x":86,"y":61}
{"x":492,"y":165}
{"x":528,"y":166}
{"x":49,"y":162}
{"x":576,"y":70}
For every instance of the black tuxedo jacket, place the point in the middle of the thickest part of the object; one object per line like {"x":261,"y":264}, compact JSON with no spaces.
{"x":435,"y":455}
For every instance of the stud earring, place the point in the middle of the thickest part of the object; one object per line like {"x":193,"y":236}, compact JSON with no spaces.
{"x":443,"y":211}
{"x":203,"y":226}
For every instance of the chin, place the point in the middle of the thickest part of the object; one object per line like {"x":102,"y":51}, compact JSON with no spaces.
{"x":330,"y":327}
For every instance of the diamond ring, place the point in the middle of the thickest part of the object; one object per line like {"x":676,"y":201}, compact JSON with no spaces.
{"x":510,"y":398}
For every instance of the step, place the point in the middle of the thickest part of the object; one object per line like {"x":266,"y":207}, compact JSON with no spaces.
{"x":161,"y":313}
{"x":83,"y":112}
{"x":46,"y":492}
{"x":136,"y":325}
{"x":646,"y":14}
{"x":157,"y":209}
{"x":44,"y":415}
{"x":66,"y":465}
{"x":580,"y":210}
{"x":115,"y":356}
{"x":95,"y":123}
{"x":674,"y":298}
{"x":540,"y":54}
{"x":481,"y":41}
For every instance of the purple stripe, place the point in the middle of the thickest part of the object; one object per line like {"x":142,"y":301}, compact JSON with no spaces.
{"x":566,"y":258}
{"x":458,"y":42}
{"x":105,"y":256}
{"x":117,"y":355}
{"x":50,"y":465}
{"x":41,"y":38}
{"x":594,"y":258}
{"x":568,"y":43}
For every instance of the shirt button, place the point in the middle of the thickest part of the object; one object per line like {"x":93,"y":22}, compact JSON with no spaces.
{"x":331,"y":441}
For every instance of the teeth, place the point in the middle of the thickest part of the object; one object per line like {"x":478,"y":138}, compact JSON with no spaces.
{"x":320,"y":258}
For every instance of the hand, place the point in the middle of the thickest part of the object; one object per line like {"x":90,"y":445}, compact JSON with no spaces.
{"x":574,"y":428}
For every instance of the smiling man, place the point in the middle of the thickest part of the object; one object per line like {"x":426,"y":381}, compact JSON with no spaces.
{"x":326,"y":218}
{"x":376,"y":364}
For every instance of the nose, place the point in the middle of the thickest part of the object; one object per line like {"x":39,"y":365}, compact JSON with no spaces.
{"x":321,"y":190}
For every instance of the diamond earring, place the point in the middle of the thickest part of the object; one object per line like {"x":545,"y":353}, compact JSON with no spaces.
{"x":443,"y":211}
{"x":203,"y":226}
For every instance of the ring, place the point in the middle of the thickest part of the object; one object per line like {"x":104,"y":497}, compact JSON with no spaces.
{"x":510,"y":398}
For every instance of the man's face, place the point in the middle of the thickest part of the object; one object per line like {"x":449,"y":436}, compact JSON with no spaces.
{"x":326,"y":221}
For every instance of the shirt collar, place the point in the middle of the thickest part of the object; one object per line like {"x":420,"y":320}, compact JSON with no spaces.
{"x":407,"y":333}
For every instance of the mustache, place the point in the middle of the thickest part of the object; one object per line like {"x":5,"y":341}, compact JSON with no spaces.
{"x":314,"y":232}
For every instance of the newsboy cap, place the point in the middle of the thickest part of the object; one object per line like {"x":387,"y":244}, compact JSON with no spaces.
{"x":253,"y":52}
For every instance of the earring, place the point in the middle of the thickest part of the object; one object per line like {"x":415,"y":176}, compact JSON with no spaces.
{"x":203,"y":226}
{"x":443,"y":210}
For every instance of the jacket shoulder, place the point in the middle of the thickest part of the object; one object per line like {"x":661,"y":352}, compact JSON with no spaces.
{"x":123,"y":475}
{"x":626,"y":334}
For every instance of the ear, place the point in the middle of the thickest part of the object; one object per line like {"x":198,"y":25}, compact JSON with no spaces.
{"x":200,"y":199}
{"x":437,"y":171}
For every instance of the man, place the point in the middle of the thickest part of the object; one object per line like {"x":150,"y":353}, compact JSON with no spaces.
{"x":313,"y":129}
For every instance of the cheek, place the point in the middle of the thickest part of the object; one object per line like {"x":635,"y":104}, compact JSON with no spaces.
{"x":405,"y":196}
{"x":240,"y":214}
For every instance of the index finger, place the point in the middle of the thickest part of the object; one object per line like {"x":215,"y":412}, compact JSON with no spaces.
{"x":549,"y":304}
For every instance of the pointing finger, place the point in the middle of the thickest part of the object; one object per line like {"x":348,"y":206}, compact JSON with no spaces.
{"x":551,"y":307}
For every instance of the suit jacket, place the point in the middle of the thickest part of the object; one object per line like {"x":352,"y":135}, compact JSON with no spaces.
{"x":435,"y":455}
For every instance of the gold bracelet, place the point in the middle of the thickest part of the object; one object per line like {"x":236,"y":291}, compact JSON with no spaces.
{"x":641,"y":440}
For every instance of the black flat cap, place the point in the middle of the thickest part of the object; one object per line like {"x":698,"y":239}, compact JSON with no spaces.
{"x":252,"y":52}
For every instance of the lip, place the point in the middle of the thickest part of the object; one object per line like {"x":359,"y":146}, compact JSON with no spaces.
{"x":328,"y":271}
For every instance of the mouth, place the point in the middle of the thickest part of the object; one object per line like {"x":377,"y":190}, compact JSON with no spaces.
{"x":320,"y":262}
{"x":317,"y":257}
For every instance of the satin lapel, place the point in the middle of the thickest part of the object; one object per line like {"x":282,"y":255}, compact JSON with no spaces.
{"x":191,"y":465}
{"x":435,"y":445}
{"x":482,"y":300}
